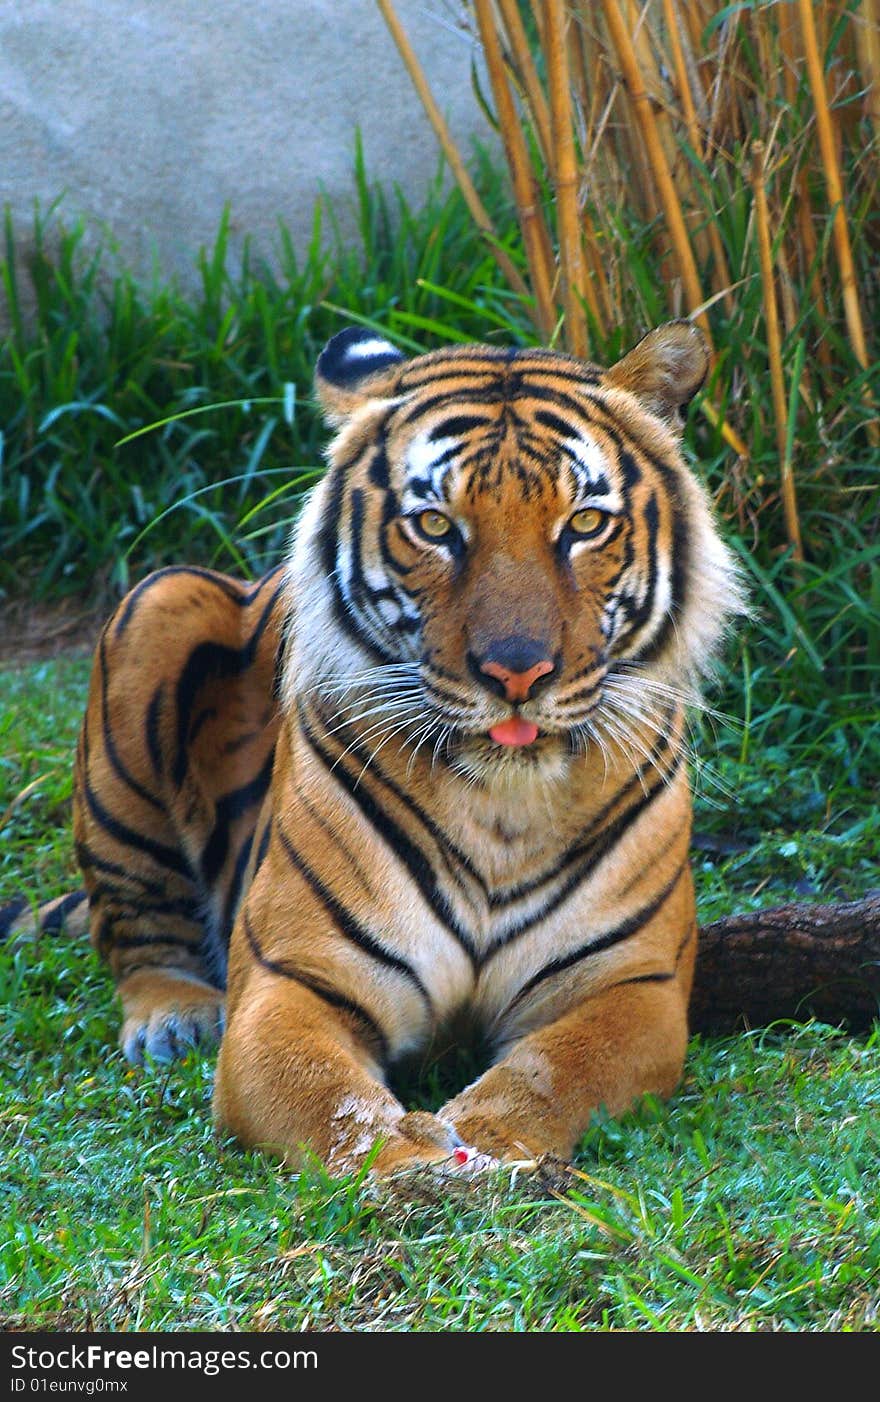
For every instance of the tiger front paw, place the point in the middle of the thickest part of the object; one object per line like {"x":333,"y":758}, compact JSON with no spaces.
{"x":417,"y":1140}
{"x":166,"y":1014}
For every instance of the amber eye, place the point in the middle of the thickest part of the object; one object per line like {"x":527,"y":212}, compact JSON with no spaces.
{"x":434,"y":524}
{"x":588,"y":522}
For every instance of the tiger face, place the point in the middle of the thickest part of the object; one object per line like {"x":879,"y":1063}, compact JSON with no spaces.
{"x":505,"y":539}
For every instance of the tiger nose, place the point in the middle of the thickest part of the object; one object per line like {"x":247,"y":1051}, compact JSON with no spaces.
{"x":516,"y":664}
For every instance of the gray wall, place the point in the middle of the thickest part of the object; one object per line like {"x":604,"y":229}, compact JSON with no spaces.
{"x":152,"y":114}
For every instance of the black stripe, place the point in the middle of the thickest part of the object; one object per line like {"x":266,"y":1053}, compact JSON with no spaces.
{"x":349,"y":926}
{"x":210,"y":661}
{"x":151,"y":941}
{"x":49,"y":917}
{"x":234,"y":593}
{"x":227,"y":808}
{"x":458,"y":425}
{"x":620,"y":932}
{"x":639,"y":615}
{"x":169,"y":857}
{"x":53,"y":921}
{"x":378,"y":473}
{"x":585,"y":842}
{"x":664,"y":976}
{"x":235,"y":885}
{"x":120,"y":769}
{"x":328,"y":542}
{"x":563,"y":427}
{"x":10,"y":912}
{"x":678,"y":589}
{"x":599,"y":849}
{"x":336,"y":1000}
{"x":414,"y":859}
{"x":336,"y":839}
{"x":129,"y":905}
{"x":643,"y":978}
{"x":154,"y":747}
{"x":90,"y":861}
{"x":263,"y":847}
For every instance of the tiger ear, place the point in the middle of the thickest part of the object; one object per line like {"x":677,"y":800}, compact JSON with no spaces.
{"x":355,"y":365}
{"x":666,"y":368}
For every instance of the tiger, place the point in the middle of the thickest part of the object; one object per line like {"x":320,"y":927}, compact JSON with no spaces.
{"x":429,"y":776}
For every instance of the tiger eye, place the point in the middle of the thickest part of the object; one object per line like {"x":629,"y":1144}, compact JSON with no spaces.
{"x":434,"y":524}
{"x":588,"y":522}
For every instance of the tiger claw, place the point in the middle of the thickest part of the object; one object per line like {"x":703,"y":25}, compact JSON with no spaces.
{"x":171,"y":1036}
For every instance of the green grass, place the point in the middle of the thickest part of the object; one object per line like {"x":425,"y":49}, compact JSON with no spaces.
{"x":226,"y":374}
{"x":750,"y":1201}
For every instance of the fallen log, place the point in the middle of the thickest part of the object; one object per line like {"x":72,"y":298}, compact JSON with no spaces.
{"x":792,"y":961}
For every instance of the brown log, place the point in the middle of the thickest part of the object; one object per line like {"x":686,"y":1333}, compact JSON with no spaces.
{"x":794,"y":961}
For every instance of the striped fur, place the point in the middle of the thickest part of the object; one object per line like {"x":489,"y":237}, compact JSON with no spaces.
{"x":405,"y":869}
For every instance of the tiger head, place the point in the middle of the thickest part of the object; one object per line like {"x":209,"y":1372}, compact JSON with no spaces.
{"x":504,"y":542}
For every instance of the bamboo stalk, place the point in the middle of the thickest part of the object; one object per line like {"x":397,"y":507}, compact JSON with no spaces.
{"x":528,"y":74}
{"x":804,"y":207}
{"x":665,"y":187}
{"x":682,"y":81}
{"x":774,"y":349}
{"x":531,"y":218}
{"x":867,"y":36}
{"x":576,"y":285}
{"x":722,"y":279}
{"x":840,"y":228}
{"x":450,"y":150}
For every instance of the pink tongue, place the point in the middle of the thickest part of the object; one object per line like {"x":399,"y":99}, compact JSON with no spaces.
{"x":514,"y":732}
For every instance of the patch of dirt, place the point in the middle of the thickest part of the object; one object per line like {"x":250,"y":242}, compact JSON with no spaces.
{"x":31,"y":631}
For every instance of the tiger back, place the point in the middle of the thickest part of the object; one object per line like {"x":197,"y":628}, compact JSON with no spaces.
{"x":431,"y":771}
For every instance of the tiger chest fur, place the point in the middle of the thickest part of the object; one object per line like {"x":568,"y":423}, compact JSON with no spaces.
{"x":497,"y":607}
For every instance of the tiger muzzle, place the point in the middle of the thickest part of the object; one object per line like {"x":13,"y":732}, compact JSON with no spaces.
{"x":515,"y":668}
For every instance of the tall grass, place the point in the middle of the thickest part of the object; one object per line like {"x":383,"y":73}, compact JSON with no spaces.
{"x":91,"y":357}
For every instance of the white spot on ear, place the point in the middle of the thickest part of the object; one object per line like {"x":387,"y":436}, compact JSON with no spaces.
{"x":366,"y":350}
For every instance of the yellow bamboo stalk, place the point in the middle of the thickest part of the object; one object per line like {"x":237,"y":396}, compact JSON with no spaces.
{"x":588,"y":96}
{"x":803,"y":205}
{"x":867,"y":35}
{"x":695,"y":25}
{"x":576,"y":285}
{"x":774,"y":349}
{"x":521,"y":54}
{"x":682,"y":81}
{"x":450,"y":150}
{"x":722,"y":278}
{"x":840,"y":228}
{"x":660,"y":169}
{"x":531,"y":219}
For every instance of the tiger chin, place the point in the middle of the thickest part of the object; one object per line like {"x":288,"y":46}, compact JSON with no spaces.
{"x":432,"y":768}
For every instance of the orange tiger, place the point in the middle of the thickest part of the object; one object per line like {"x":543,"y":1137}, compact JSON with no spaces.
{"x":431,"y":772}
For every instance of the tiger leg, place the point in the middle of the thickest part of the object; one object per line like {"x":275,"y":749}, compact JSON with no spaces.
{"x":295,"y":1077}
{"x":172,"y":766}
{"x":608,"y":1051}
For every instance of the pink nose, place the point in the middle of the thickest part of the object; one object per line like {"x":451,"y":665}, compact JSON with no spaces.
{"x":517,"y":685}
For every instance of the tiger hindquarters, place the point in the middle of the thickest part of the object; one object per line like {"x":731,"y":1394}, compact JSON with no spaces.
{"x":172,"y":766}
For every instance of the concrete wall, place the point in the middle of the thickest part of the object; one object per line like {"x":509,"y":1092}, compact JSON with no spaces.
{"x":152,"y":114}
